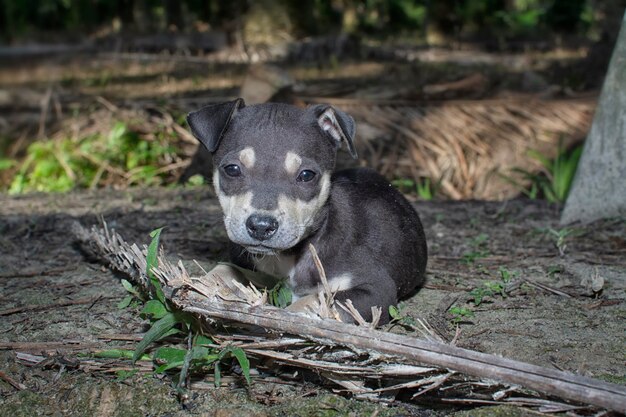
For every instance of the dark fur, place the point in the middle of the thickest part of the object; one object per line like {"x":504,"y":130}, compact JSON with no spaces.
{"x":366,"y":228}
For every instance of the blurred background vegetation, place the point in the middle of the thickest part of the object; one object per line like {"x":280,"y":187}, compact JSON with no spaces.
{"x":459,"y":19}
{"x":484,"y":99}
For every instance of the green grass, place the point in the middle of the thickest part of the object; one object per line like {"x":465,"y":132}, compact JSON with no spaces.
{"x":488,"y":289}
{"x":479,"y":249}
{"x":423,"y":187}
{"x":398,"y":316}
{"x":561,"y":237}
{"x":493,"y":288}
{"x":120,"y":157}
{"x":460,"y":314}
{"x":485,"y":292}
{"x":555,"y":179}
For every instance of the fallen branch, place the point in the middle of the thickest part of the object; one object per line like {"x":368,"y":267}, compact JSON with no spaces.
{"x":216,"y":298}
{"x":86,"y":364}
{"x":9,"y":380}
{"x":50,"y":346}
{"x":547,"y":381}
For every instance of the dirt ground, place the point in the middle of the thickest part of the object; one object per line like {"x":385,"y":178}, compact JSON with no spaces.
{"x":561,"y":310}
{"x":561,"y":301}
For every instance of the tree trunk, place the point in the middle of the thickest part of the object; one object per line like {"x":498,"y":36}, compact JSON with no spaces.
{"x":599,"y":187}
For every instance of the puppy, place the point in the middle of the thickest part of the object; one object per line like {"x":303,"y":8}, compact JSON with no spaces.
{"x":274,"y":179}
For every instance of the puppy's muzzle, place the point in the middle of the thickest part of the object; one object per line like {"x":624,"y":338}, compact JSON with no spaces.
{"x":261,"y":227}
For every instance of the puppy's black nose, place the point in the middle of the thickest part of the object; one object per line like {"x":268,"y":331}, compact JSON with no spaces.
{"x":261,"y":227}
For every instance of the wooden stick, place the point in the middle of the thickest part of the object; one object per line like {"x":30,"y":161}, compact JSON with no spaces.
{"x":49,"y":346}
{"x":544,"y":380}
{"x":17,"y":385}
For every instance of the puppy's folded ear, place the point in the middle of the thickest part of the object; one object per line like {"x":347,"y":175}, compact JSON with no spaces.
{"x":339,"y":125}
{"x":209,"y":123}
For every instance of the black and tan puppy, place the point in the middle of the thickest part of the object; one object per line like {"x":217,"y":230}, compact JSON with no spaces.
{"x":275,"y":182}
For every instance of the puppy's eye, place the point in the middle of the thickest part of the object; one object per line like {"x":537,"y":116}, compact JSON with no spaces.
{"x":232,"y":170}
{"x":305,"y":176}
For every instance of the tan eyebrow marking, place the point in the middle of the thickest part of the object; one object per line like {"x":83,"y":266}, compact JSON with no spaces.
{"x":292,"y":162}
{"x":247,"y":157}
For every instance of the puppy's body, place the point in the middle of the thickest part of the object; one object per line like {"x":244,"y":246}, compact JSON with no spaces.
{"x":275,"y":183}
{"x":370,"y":242}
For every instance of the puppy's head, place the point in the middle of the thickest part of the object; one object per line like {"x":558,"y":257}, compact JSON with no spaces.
{"x":273,"y":164}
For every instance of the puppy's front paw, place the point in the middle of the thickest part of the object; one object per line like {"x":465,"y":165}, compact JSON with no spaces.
{"x":309,"y":305}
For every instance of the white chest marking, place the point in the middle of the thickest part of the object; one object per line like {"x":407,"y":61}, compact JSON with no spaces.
{"x":341,"y":282}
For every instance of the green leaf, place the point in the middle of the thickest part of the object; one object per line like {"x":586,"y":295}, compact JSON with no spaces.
{"x":280,"y":296}
{"x":205,"y":360}
{"x":241,"y":357}
{"x":169,"y":333}
{"x":158,"y":329}
{"x":152,"y":262}
{"x":174,"y":357}
{"x":117,"y":354}
{"x":203,"y":340}
{"x":566,"y":173}
{"x":116,"y":135}
{"x":167,"y":366}
{"x":129,"y":287}
{"x":539,"y":157}
{"x":244,"y":362}
{"x":478,"y":294}
{"x":394,"y":313}
{"x":154,"y":309}
{"x":549,"y":193}
{"x":403,"y":183}
{"x":195,"y":181}
{"x":459,"y":313}
{"x":495,"y":288}
{"x":168,"y":358}
{"x":284,"y":297}
{"x":125,"y":302}
{"x":203,"y":355}
{"x":424,"y":189}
